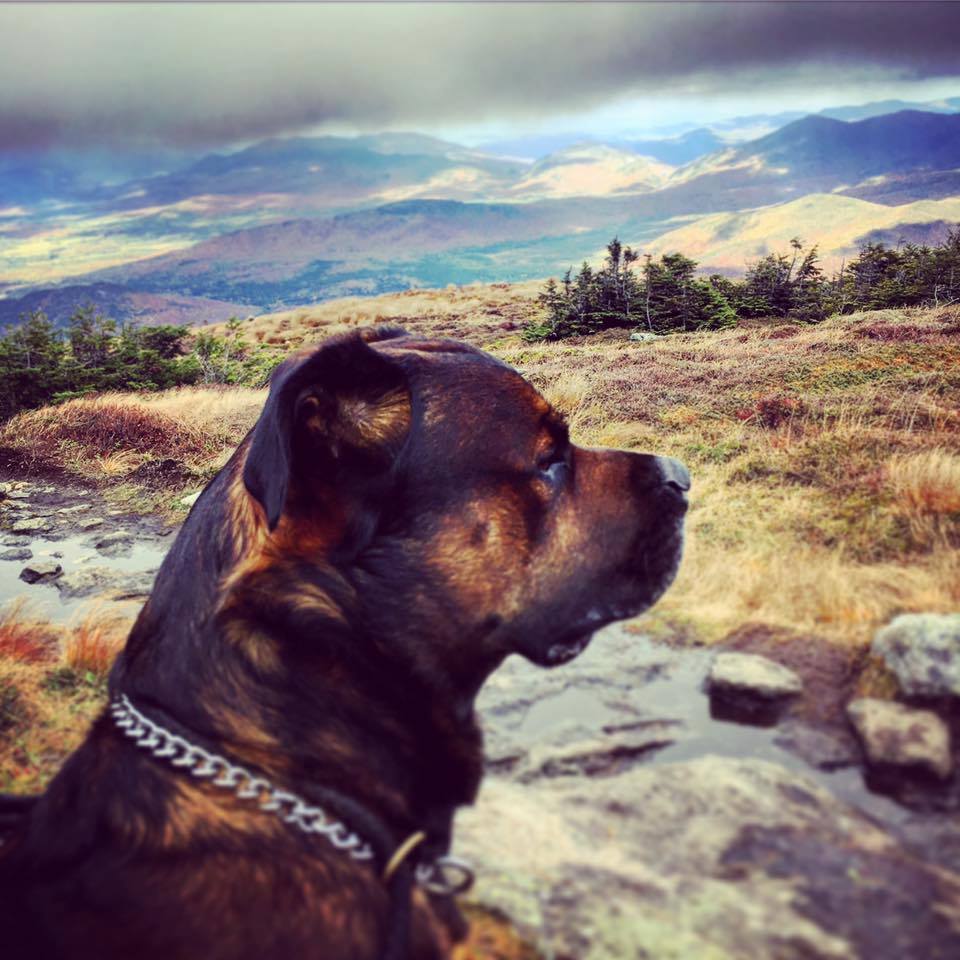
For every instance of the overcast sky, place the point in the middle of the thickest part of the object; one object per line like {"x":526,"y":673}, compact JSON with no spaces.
{"x":220,"y":73}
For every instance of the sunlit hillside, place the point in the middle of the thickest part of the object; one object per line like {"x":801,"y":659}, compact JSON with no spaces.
{"x":837,"y":224}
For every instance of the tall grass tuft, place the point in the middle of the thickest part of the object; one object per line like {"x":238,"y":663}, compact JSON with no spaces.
{"x":24,"y":639}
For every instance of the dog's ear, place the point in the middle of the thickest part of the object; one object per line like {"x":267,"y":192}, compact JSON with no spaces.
{"x":344,"y":409}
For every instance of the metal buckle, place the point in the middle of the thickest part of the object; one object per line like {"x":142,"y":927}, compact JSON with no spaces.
{"x":446,"y":876}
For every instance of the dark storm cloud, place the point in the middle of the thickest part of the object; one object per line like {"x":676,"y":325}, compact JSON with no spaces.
{"x":216,"y":73}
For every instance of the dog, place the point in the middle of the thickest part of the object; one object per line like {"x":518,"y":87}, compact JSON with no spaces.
{"x":291,"y":726}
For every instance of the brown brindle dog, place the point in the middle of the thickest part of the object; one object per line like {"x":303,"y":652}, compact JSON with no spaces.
{"x":405,"y":514}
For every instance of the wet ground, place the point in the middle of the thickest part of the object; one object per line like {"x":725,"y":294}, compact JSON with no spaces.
{"x":630,"y":701}
{"x":104,"y":552}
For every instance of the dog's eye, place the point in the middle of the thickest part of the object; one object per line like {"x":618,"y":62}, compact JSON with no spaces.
{"x":553,"y":465}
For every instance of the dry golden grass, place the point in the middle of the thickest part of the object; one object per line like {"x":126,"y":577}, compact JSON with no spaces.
{"x":824,"y":456}
{"x":479,"y":312}
{"x":51,"y":689}
{"x":165,"y":444}
{"x":24,"y":639}
{"x":92,"y":645}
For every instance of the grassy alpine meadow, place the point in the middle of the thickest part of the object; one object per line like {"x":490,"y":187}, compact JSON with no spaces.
{"x":825,"y":458}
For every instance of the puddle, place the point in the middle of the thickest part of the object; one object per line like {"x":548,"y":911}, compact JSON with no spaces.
{"x":669,"y":688}
{"x":74,"y":553}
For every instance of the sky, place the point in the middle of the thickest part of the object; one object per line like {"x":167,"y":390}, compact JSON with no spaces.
{"x":220,"y":74}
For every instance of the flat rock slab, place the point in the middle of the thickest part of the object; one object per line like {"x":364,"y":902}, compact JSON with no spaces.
{"x":897,"y":736}
{"x":748,"y":674}
{"x":90,"y":523}
{"x":96,"y":580}
{"x":714,"y":859}
{"x":17,"y":553}
{"x":923,"y":650}
{"x":31,"y":525}
{"x":40,"y":571}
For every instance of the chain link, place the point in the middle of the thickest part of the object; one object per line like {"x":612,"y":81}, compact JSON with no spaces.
{"x":200,"y":763}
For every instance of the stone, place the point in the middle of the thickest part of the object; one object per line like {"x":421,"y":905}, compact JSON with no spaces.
{"x":748,"y":674}
{"x":897,"y":736}
{"x":17,"y":495}
{"x":116,"y":544}
{"x":642,"y":336}
{"x":18,"y":541}
{"x":600,"y":755}
{"x":40,"y":570}
{"x":90,"y":523}
{"x":30,"y":525}
{"x":104,"y":580}
{"x":78,"y":508}
{"x":823,"y":749}
{"x":190,"y":499}
{"x":17,"y":553}
{"x":714,"y":858}
{"x":923,"y":651}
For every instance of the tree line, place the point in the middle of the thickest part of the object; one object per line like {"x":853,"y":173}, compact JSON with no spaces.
{"x":665,"y":295}
{"x":41,"y":363}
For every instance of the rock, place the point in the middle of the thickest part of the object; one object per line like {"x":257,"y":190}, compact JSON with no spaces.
{"x":600,"y":755}
{"x":190,"y":499}
{"x":923,"y":651}
{"x":713,"y":858}
{"x":78,"y":508}
{"x":116,"y":544}
{"x":90,"y":523}
{"x":642,"y":336}
{"x":17,"y":495}
{"x":9,"y":541}
{"x":30,"y":525}
{"x":823,"y":749}
{"x":17,"y":553}
{"x":40,"y":570}
{"x":115,"y":583}
{"x":897,"y":736}
{"x":747,"y":674}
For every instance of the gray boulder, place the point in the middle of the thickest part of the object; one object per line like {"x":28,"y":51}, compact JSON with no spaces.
{"x":897,"y":736}
{"x":923,"y":650}
{"x":713,"y":858}
{"x":747,"y":674}
{"x":17,"y":553}
{"x":40,"y":570}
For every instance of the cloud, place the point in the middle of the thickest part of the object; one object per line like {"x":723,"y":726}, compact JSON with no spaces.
{"x":217,"y":73}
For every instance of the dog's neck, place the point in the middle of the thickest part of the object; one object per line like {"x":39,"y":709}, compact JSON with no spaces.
{"x":295,"y":691}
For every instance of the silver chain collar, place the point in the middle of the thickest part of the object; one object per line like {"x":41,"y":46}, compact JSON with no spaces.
{"x":445,"y":876}
{"x":220,"y":772}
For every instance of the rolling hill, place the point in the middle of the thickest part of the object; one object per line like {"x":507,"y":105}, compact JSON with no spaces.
{"x":311,"y":218}
{"x":728,"y":241}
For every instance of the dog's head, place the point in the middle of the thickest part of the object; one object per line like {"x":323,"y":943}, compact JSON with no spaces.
{"x":446,"y":493}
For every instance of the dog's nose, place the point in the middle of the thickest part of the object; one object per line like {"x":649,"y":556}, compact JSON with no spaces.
{"x":663,"y":480}
{"x":674,"y":474}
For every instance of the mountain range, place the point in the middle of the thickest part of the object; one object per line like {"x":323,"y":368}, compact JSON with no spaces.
{"x":183,"y":238}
